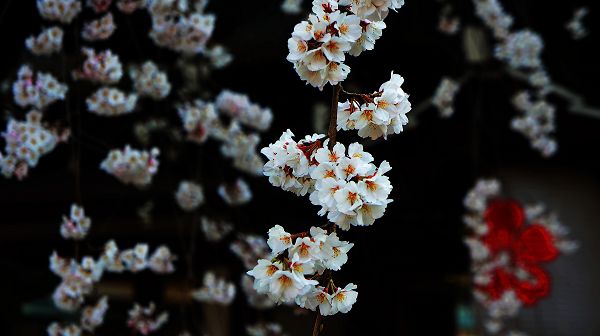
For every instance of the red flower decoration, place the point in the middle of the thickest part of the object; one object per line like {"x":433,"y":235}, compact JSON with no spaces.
{"x":527,"y":246}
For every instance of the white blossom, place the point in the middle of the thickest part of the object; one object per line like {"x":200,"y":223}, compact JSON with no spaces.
{"x":132,"y":166}
{"x":49,"y":41}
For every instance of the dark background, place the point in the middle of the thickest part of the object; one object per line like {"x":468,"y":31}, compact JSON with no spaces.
{"x":410,"y":267}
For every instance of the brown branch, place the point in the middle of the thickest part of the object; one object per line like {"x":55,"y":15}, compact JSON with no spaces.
{"x":318,"y":324}
{"x":332,"y":132}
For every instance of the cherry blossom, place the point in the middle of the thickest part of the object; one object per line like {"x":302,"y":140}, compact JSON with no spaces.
{"x":444,"y":95}
{"x":150,"y":81}
{"x":132,"y":166}
{"x":189,"y":195}
{"x":37,"y":89}
{"x":56,"y":329}
{"x":237,"y":193}
{"x":215,"y":290}
{"x":100,"y":29}
{"x":214,"y":230}
{"x":59,"y":10}
{"x":77,"y":225}
{"x":49,"y":41}
{"x":103,"y":67}
{"x":93,"y":316}
{"x":575,"y":26}
{"x":146,"y":320}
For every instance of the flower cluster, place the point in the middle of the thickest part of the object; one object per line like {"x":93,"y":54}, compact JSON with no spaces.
{"x":37,"y":89}
{"x":77,"y":225}
{"x":111,"y":102}
{"x":26,"y":141}
{"x":239,"y":107}
{"x":493,"y":15}
{"x":136,"y":259}
{"x":77,"y":280}
{"x":254,"y":299}
{"x":146,"y":320}
{"x":178,"y":29}
{"x":444,"y":95}
{"x":49,"y":41}
{"x":93,"y":316}
{"x":59,"y":10}
{"x":237,"y":193}
{"x":575,"y":26}
{"x":100,"y":29}
{"x":215,"y":290}
{"x":104,"y":67}
{"x":214,"y":230}
{"x":318,"y":46}
{"x":509,"y":244}
{"x":240,"y":147}
{"x":250,"y":248}
{"x":198,"y":119}
{"x":55,"y":329}
{"x":521,"y":49}
{"x":219,"y":56}
{"x":537,"y":123}
{"x":350,"y":189}
{"x":378,"y":114}
{"x":132,"y":166}
{"x":189,"y":195}
{"x":149,"y":81}
{"x":284,"y":277}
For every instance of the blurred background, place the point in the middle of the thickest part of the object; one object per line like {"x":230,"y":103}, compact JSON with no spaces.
{"x":411,"y":267}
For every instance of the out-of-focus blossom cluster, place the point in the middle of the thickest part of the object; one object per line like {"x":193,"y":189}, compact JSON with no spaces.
{"x":37,"y":89}
{"x":77,"y":280}
{"x":189,"y":195}
{"x":219,"y":56}
{"x":444,"y":96}
{"x":378,"y":114}
{"x":198,"y":119}
{"x":576,"y":26}
{"x":255,"y":299}
{"x":49,"y":41}
{"x":318,"y":47}
{"x":55,"y":329}
{"x":177,"y":26}
{"x":144,"y":129}
{"x":493,"y":15}
{"x":249,"y":248}
{"x":27,"y":141}
{"x":239,"y":107}
{"x":93,"y":316}
{"x":237,"y":193}
{"x":111,"y":102}
{"x":297,"y":261}
{"x":150,"y":81}
{"x":136,"y":259}
{"x":521,"y":49}
{"x":350,"y":189}
{"x":215,"y":290}
{"x":132,"y":166}
{"x":103,"y":67}
{"x":77,"y":225}
{"x":59,"y":10}
{"x":100,"y":29}
{"x":537,"y":123}
{"x":146,"y":320}
{"x":291,"y":6}
{"x":201,"y":121}
{"x":215,"y":230}
{"x":265,"y":329}
{"x":509,"y":244}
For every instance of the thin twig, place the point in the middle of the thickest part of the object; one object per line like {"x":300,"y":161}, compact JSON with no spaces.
{"x":318,"y":325}
{"x":332,"y":132}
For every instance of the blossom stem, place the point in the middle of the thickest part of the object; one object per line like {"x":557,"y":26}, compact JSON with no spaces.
{"x":332,"y":132}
